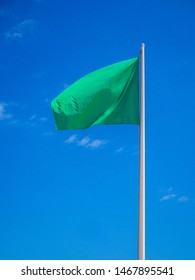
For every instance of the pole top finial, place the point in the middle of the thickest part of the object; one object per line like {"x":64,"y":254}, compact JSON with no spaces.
{"x":142,"y":48}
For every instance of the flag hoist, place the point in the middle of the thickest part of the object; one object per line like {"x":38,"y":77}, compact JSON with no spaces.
{"x":112,"y":95}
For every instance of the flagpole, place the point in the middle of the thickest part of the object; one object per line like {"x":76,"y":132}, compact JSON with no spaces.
{"x":141,"y":249}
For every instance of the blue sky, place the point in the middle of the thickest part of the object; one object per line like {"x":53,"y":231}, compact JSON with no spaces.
{"x":74,"y":194}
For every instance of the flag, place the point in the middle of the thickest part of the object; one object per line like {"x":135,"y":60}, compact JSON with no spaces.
{"x":107,"y":96}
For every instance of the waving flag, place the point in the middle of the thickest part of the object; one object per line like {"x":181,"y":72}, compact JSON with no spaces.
{"x":107,"y":96}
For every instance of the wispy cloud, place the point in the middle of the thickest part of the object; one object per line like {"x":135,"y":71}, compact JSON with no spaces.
{"x":183,"y":198}
{"x":43,"y":119}
{"x":86,"y":142}
{"x":119,"y":150}
{"x":22,"y":31}
{"x":71,"y":139}
{"x":34,"y":117}
{"x":18,"y":114}
{"x":3,"y":112}
{"x":96,"y":144}
{"x":168,"y":197}
{"x":169,"y":189}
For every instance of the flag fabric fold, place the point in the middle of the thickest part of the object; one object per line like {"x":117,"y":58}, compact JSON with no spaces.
{"x":107,"y":96}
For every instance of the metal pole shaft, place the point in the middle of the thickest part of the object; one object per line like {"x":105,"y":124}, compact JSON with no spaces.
{"x":142,"y":160}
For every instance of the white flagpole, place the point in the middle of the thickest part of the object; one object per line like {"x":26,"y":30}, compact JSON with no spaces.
{"x":141,"y":249}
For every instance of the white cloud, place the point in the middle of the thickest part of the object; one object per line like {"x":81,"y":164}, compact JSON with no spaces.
{"x":84,"y":141}
{"x":183,"y":198}
{"x":21,"y":115}
{"x":3,"y":114}
{"x":170,"y":189}
{"x":43,"y":119}
{"x":21,"y":31}
{"x":96,"y":144}
{"x":71,"y":139}
{"x":119,"y":150}
{"x":33,"y":117}
{"x":168,"y":197}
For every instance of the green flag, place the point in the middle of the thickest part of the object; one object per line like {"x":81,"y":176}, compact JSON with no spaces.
{"x":107,"y":96}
